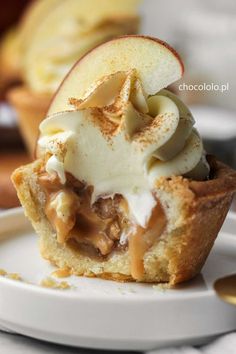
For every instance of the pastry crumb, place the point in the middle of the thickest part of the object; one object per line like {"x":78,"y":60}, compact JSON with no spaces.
{"x":3,"y":272}
{"x":13,"y":276}
{"x":53,"y":284}
{"x":61,"y":273}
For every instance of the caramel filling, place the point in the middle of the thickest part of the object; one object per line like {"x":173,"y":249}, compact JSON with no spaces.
{"x":63,"y":219}
{"x":97,"y":229}
{"x":143,"y":239}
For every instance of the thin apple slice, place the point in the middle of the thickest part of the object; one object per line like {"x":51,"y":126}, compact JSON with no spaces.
{"x":104,"y":93}
{"x":157,"y":65}
{"x":138,"y":97}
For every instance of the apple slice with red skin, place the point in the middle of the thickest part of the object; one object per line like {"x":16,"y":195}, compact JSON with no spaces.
{"x":157,"y":65}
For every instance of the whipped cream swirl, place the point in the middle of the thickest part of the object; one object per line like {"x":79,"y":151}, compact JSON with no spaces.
{"x":120,"y":141}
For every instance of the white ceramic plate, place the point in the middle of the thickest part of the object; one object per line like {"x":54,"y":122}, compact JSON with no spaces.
{"x":108,"y":315}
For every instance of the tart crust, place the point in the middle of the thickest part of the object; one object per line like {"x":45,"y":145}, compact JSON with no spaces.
{"x":31,"y":108}
{"x":195,"y":212}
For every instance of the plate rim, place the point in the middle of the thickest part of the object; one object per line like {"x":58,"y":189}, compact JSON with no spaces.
{"x":197,"y":328}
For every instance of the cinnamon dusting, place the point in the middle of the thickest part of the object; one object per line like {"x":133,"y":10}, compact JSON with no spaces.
{"x":147,"y":135}
{"x":75,"y":102}
{"x":107,"y":127}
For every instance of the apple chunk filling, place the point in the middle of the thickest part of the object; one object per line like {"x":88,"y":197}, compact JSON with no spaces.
{"x":100,"y":228}
{"x":68,"y":208}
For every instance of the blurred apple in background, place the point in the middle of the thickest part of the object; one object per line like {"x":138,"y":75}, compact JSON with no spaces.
{"x":10,"y":13}
{"x":11,"y":147}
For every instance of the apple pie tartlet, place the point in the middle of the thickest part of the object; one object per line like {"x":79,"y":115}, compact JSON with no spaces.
{"x":50,"y":38}
{"x":122,"y":188}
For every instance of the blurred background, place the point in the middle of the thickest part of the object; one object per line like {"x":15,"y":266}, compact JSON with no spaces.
{"x":202,"y":31}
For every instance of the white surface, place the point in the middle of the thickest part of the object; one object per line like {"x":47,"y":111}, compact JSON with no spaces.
{"x":105,"y":314}
{"x":7,"y":115}
{"x":208,"y":50}
{"x":224,"y":345}
{"x":214,"y":123}
{"x":17,"y":344}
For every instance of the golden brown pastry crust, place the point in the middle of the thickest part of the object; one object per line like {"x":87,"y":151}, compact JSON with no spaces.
{"x":31,"y":108}
{"x":195,"y":215}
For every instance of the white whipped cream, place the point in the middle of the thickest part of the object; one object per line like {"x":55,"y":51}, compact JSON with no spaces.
{"x":56,"y":166}
{"x":126,"y":144}
{"x":140,"y":206}
{"x":60,"y":204}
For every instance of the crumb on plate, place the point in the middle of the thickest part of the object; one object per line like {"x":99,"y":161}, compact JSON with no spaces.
{"x":13,"y":276}
{"x":3,"y":272}
{"x":53,"y":284}
{"x":61,"y":273}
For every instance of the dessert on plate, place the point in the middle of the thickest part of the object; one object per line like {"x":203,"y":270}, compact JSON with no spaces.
{"x":51,"y":37}
{"x":122,"y":188}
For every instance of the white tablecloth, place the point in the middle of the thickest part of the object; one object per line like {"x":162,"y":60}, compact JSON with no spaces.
{"x":17,"y":344}
{"x":223,"y":345}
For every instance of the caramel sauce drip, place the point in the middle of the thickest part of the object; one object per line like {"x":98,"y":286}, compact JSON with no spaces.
{"x":99,"y":226}
{"x":62,"y":225}
{"x":52,"y":187}
{"x":143,"y":239}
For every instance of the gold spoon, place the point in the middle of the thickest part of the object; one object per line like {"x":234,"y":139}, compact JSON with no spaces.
{"x":226,"y":288}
